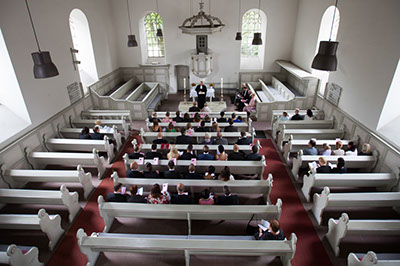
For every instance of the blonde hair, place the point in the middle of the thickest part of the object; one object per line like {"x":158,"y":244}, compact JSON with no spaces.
{"x":173,"y":153}
{"x":325,"y":146}
{"x":322,"y":161}
{"x":366,"y":148}
{"x":339,"y":145}
{"x":97,"y":122}
{"x":215,"y":126}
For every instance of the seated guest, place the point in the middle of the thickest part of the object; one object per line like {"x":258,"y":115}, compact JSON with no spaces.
{"x":98,"y":123}
{"x":231,"y":127}
{"x":170,"y":128}
{"x":136,"y":198}
{"x":202,"y":127}
{"x":296,"y":115}
{"x":206,"y":155}
{"x":156,"y":127}
{"x":157,"y":197}
{"x":311,"y":150}
{"x":309,"y":115}
{"x":210,"y":174}
{"x":238,"y":119}
{"x":243,"y":140}
{"x":236,"y":155}
{"x":251,"y":106}
{"x":133,"y":172}
{"x":150,"y":173}
{"x":254,"y":155}
{"x":284,"y":117}
{"x":205,"y":198}
{"x":154,"y":118}
{"x":153,"y":153}
{"x":215,"y":127}
{"x":178,"y":117}
{"x":197,"y":118}
{"x":183,"y":139}
{"x":366,"y":149}
{"x":173,"y":153}
{"x":221,"y":154}
{"x":186,"y":118}
{"x":351,"y":149}
{"x":181,"y":197}
{"x":233,"y":117}
{"x":206,"y":109}
{"x":339,"y":151}
{"x":167,"y":119}
{"x":159,"y":139}
{"x":188,"y":155}
{"x":207,"y":118}
{"x":274,"y":232}
{"x":227,"y":198}
{"x":225,"y":174}
{"x":96,"y":134}
{"x":326,"y":150}
{"x":171,"y":173}
{"x":136,"y":153}
{"x":85,"y":133}
{"x":323,"y":166}
{"x":192,"y":173}
{"x":117,"y":196}
{"x":220,"y":140}
{"x":207,"y":139}
{"x":340,"y":166}
{"x":189,"y":129}
{"x":194,"y":108}
{"x":222,"y":119}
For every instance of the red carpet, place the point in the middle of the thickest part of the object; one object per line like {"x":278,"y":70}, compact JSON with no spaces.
{"x":293,"y":219}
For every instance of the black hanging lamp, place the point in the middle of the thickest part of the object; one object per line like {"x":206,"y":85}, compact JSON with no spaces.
{"x":131,"y":37}
{"x":257,"y":35}
{"x":326,"y":59}
{"x":239,"y":33}
{"x":43,"y":66}
{"x":159,"y":31}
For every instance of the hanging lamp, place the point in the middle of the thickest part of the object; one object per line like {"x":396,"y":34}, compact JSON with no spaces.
{"x":239,"y":33}
{"x":159,"y":31}
{"x":257,"y":35}
{"x":43,"y":66}
{"x":131,"y":37}
{"x":326,"y":59}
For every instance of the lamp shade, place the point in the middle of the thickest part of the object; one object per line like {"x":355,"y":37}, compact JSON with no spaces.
{"x":257,"y":39}
{"x":238,"y":36}
{"x":132,"y":41}
{"x":159,"y":33}
{"x":43,"y":66}
{"x":326,"y":58}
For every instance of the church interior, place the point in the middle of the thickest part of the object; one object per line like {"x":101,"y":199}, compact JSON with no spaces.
{"x":123,"y":119}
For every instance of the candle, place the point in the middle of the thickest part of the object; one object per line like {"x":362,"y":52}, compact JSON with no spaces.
{"x":222,"y":89}
{"x":184,"y":83}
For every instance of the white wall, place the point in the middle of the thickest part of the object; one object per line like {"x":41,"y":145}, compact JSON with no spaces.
{"x":44,"y":98}
{"x":367,"y":55}
{"x":281,"y":16}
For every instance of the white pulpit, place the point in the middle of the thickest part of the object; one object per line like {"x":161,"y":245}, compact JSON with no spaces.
{"x":202,"y":64}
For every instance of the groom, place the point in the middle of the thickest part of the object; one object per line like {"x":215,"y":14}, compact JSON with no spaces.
{"x":201,"y":94}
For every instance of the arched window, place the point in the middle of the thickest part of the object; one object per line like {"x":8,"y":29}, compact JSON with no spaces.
{"x":252,"y":56}
{"x":324,"y":33}
{"x":154,"y":43}
{"x":82,"y":41}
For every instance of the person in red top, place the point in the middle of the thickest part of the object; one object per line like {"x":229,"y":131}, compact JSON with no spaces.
{"x":157,"y":197}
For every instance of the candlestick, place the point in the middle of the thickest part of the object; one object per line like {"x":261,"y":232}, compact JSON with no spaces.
{"x":222,"y":89}
{"x":184,"y":90}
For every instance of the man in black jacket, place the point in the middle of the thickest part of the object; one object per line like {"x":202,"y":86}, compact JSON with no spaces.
{"x":236,"y":155}
{"x":231,"y":127}
{"x":227,"y":198}
{"x":178,"y":117}
{"x":183,"y":139}
{"x":222,"y":119}
{"x":96,"y":134}
{"x":194,"y":108}
{"x":153,"y":153}
{"x":117,"y":196}
{"x":202,"y":127}
{"x":136,"y":153}
{"x":181,"y":197}
{"x":160,"y":139}
{"x":188,"y":155}
{"x":296,"y":115}
{"x":171,"y":173}
{"x":192,"y":173}
{"x":254,"y":155}
{"x":133,"y":172}
{"x":243,"y":140}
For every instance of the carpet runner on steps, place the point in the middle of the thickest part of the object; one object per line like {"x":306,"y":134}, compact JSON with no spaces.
{"x":293,"y":219}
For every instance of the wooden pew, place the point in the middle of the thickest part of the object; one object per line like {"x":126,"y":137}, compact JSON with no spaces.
{"x":92,"y":245}
{"x":294,"y":145}
{"x":196,"y":186}
{"x":65,"y":158}
{"x":19,"y":177}
{"x":232,"y":137}
{"x":236,"y":167}
{"x":19,"y":255}
{"x":372,"y":259}
{"x":107,"y":114}
{"x":338,"y":229}
{"x":365,"y":162}
{"x":318,"y":114}
{"x":48,"y":224}
{"x":120,"y":124}
{"x":85,"y":145}
{"x":366,"y":199}
{"x":73,"y":133}
{"x":228,"y":115}
{"x":45,"y":197}
{"x":382,"y":181}
{"x":301,"y":124}
{"x":284,"y":134}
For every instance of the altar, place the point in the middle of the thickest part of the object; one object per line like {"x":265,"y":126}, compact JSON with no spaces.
{"x":210,"y":93}
{"x":214,"y":106}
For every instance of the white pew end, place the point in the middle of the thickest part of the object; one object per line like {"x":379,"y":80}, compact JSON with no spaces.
{"x":14,"y":256}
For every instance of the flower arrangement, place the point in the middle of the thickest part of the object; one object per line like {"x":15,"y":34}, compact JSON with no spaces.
{"x":212,"y":84}
{"x":193,"y":84}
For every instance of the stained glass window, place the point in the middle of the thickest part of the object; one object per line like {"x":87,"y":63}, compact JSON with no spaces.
{"x":251,"y":24}
{"x":155,"y":44}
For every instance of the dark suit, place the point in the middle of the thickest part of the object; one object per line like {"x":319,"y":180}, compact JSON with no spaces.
{"x":194,"y":109}
{"x":339,"y":171}
{"x":153,"y":154}
{"x":152,"y":174}
{"x":228,"y":200}
{"x":134,"y":174}
{"x":236,"y":156}
{"x":151,"y":120}
{"x":231,"y":129}
{"x":115,"y":197}
{"x":297,"y":117}
{"x":187,"y":156}
{"x":97,"y":136}
{"x":201,"y":97}
{"x":253,"y":157}
{"x":172,"y":174}
{"x":221,"y":120}
{"x":203,"y":129}
{"x":220,"y":141}
{"x":181,"y":199}
{"x":160,"y":141}
{"x":178,"y":119}
{"x":324,"y":169}
{"x":183,"y":139}
{"x":244,"y":141}
{"x":85,"y":136}
{"x":135,"y":155}
{"x":205,"y":156}
{"x":137,"y":199}
{"x":193,"y":176}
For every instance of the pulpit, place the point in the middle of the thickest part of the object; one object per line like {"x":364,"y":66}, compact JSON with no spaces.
{"x":202,"y":64}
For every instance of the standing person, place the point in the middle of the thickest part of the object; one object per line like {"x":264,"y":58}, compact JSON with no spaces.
{"x":201,"y":90}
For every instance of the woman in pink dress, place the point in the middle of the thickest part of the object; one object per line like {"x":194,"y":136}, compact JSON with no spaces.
{"x":252,"y":104}
{"x":167,"y":119}
{"x":205,"y":198}
{"x":156,"y":196}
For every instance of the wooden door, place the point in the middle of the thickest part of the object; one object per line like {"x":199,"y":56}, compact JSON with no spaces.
{"x":182,"y":71}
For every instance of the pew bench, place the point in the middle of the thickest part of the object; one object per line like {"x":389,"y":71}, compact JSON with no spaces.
{"x":301,"y":124}
{"x":120,"y":124}
{"x":82,"y":145}
{"x":107,"y":114}
{"x":154,"y":103}
{"x":19,"y":177}
{"x":196,"y":186}
{"x":338,"y":229}
{"x":43,"y":197}
{"x":19,"y":255}
{"x":92,"y":245}
{"x":318,"y":114}
{"x":381,"y":181}
{"x":40,"y":159}
{"x":365,"y":162}
{"x":366,"y":199}
{"x":217,"y":115}
{"x":372,"y":259}
{"x":48,"y":224}
{"x":73,"y":133}
{"x":236,"y":167}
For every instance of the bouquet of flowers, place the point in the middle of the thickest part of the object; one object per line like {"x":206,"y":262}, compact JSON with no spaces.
{"x":193,"y":84}
{"x":211,"y":84}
